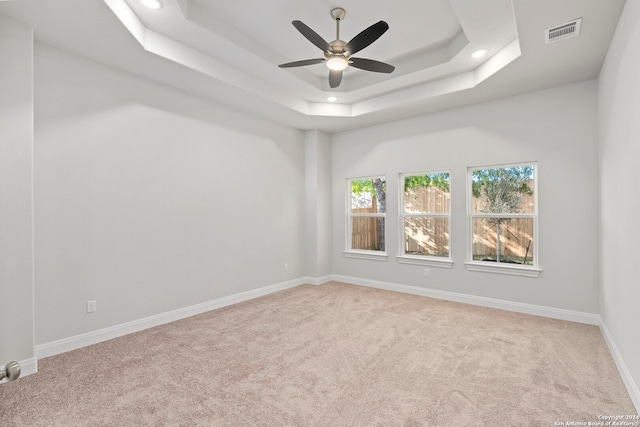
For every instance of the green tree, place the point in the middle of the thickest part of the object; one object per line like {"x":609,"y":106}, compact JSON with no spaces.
{"x":438,"y":180}
{"x":502,"y":191}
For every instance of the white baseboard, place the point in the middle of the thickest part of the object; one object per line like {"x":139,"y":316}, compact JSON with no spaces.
{"x":632,"y":387}
{"x":27,"y":367}
{"x":93,"y":337}
{"x":518,"y":307}
{"x":318,"y":280}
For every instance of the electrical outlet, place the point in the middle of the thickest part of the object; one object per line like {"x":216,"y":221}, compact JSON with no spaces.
{"x":91,"y":306}
{"x":286,"y":267}
{"x":426,"y":272}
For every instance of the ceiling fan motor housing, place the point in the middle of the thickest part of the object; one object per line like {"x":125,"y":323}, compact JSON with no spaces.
{"x":337,"y":47}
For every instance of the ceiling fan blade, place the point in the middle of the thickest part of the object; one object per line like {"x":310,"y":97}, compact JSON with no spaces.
{"x":335,"y":77}
{"x":302,"y":63}
{"x":312,"y":36}
{"x":371,"y":65}
{"x":366,"y":37}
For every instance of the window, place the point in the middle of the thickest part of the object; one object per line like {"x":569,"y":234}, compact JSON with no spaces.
{"x":425,"y":219}
{"x":503,"y":219}
{"x":366,"y":212}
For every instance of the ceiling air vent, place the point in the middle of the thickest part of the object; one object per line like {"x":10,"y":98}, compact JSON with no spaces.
{"x":564,"y":31}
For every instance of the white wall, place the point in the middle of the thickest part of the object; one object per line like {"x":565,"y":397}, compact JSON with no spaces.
{"x":556,"y":128}
{"x":148,"y":199}
{"x":619,"y":109}
{"x":16,"y":192}
{"x":318,"y":206}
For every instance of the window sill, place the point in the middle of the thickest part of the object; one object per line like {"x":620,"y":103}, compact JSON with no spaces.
{"x":513,"y":270}
{"x":370,"y":255}
{"x":431,"y":262}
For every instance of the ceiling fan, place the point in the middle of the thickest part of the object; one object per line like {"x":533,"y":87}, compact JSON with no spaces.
{"x":337,"y":54}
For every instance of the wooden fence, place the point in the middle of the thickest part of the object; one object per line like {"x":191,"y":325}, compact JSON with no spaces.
{"x":365,"y":233}
{"x":515,"y":234}
{"x":430,"y":236}
{"x":427,"y":236}
{"x":365,"y":230}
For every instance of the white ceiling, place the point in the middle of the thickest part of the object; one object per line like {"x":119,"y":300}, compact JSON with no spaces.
{"x":229,"y":51}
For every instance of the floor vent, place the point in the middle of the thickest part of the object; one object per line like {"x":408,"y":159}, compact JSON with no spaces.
{"x":564,"y":31}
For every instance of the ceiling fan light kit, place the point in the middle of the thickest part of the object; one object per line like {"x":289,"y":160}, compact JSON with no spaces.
{"x":337,"y":63}
{"x":337,"y":54}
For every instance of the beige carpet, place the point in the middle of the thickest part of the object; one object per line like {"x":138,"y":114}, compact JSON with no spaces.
{"x":330,"y":355}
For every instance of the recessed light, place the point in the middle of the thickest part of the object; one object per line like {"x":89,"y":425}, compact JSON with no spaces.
{"x":479,"y":53}
{"x":332,"y":98}
{"x":152,"y":4}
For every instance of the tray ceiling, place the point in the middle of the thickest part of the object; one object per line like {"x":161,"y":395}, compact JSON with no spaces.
{"x":229,"y":51}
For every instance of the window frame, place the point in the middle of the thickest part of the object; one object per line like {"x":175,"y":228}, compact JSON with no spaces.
{"x":427,"y":260}
{"x":533,"y":270}
{"x":349,"y":252}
